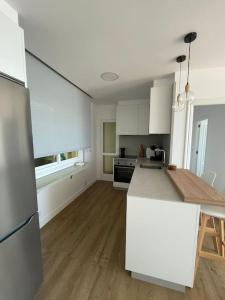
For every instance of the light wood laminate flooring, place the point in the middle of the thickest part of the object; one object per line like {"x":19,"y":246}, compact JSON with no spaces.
{"x":84,"y":252}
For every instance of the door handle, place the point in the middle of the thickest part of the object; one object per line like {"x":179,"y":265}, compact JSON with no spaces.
{"x":22,"y":225}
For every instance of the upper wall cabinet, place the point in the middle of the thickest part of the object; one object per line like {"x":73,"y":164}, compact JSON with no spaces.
{"x":160,"y":110}
{"x":132,"y":117}
{"x":12,"y":50}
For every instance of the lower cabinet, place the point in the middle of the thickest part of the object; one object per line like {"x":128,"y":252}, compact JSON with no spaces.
{"x":161,"y":239}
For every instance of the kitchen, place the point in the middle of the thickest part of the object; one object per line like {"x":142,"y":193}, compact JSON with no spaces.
{"x":112,"y":166}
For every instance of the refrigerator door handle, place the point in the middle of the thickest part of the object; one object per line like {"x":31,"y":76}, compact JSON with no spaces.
{"x":23,"y":224}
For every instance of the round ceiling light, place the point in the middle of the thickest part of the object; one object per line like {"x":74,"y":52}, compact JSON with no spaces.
{"x":109,"y":76}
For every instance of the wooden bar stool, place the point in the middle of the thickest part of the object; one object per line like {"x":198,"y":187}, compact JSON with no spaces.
{"x":209,"y":177}
{"x":208,"y":212}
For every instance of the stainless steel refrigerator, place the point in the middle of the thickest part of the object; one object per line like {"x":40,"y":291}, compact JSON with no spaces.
{"x":20,"y":249}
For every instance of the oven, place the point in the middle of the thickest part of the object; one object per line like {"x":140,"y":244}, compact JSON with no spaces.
{"x":123,"y":171}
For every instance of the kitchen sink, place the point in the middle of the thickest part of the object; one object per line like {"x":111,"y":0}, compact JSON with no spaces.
{"x":143,"y":166}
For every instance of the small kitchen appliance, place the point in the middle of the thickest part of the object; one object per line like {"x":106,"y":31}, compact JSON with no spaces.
{"x":122,"y":152}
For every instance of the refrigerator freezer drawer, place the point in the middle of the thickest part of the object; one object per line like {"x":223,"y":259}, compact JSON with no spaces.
{"x":20,"y":263}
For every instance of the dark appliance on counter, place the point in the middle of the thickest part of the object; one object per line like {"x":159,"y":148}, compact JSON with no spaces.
{"x":158,"y":156}
{"x":122,"y":152}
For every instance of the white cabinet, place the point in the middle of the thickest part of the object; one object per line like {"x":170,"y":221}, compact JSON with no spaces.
{"x":132,"y":117}
{"x":12,"y":50}
{"x":127,"y":119}
{"x":176,"y":231}
{"x":143,"y":118}
{"x":160,"y":110}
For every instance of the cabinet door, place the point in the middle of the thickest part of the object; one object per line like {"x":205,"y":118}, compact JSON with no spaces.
{"x":160,"y":110}
{"x":127,"y":119}
{"x":143,"y":119}
{"x":12,"y":50}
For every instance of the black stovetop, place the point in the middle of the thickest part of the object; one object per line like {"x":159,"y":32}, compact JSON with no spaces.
{"x":129,"y":156}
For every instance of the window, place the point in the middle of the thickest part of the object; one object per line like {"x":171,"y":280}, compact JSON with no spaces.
{"x":41,"y":161}
{"x":52,"y":163}
{"x":69,"y":155}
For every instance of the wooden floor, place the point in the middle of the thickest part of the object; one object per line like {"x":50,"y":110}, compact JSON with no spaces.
{"x":83,"y":255}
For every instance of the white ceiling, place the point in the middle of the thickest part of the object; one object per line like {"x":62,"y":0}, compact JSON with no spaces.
{"x":137,"y":39}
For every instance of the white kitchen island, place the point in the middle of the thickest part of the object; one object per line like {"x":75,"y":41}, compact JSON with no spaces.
{"x":161,"y":231}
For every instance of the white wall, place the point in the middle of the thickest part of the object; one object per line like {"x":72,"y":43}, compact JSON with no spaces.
{"x":165,"y":81}
{"x":209,"y":88}
{"x":102,"y":113}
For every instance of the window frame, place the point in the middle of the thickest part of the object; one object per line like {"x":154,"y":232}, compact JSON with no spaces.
{"x":59,"y":165}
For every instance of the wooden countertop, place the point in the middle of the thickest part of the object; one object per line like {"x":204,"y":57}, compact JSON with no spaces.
{"x":193,"y":189}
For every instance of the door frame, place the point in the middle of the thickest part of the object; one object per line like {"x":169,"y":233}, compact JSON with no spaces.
{"x":106,"y":177}
{"x":198,"y":170}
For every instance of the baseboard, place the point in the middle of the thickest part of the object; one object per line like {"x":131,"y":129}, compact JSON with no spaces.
{"x":102,"y":178}
{"x":160,"y":282}
{"x":45,"y":219}
{"x":120,"y":185}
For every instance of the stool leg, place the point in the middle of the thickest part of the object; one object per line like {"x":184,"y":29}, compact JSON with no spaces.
{"x":201,"y":236}
{"x":222,"y":238}
{"x":215,"y":239}
{"x":200,"y":220}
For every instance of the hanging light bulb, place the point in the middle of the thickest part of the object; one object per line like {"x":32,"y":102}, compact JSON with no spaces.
{"x":188,"y":93}
{"x":180,"y":100}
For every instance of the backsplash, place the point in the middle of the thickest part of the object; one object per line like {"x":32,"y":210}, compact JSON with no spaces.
{"x":132,"y":142}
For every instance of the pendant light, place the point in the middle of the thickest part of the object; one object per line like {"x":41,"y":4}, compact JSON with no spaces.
{"x":188,"y":94}
{"x":180,"y":100}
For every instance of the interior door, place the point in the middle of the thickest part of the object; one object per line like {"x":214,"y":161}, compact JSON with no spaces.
{"x":17,"y":178}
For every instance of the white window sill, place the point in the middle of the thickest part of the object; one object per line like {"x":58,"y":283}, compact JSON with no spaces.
{"x":60,"y":175}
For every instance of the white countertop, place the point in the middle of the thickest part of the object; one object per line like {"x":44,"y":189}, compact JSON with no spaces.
{"x":152,"y":183}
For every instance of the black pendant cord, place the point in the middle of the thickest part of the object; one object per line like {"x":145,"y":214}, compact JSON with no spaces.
{"x":189,"y":57}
